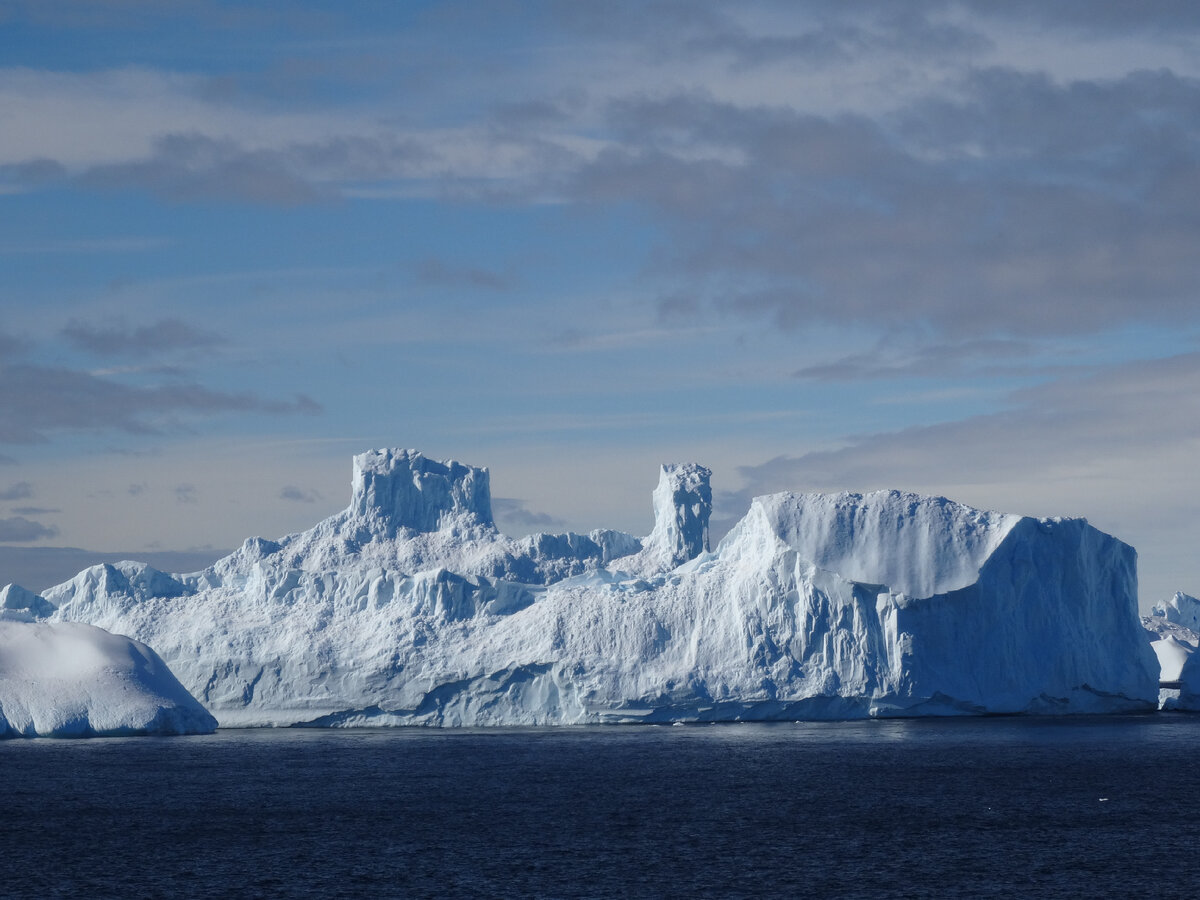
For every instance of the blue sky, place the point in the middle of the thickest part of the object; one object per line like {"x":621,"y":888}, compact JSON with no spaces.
{"x":942,"y":246}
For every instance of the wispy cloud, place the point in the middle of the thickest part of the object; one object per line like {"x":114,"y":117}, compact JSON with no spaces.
{"x":891,"y":359}
{"x":86,"y":245}
{"x":41,"y":400}
{"x":437,"y":272}
{"x":119,"y":338}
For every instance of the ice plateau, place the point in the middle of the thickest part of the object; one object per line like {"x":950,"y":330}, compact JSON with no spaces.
{"x":409,"y":607}
{"x":68,"y":679}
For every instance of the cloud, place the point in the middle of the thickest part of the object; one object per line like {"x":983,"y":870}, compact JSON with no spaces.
{"x":101,"y":245}
{"x":437,"y":272}
{"x":968,"y":191}
{"x":185,"y":493}
{"x":11,"y":347}
{"x":144,"y":15}
{"x":34,"y":510}
{"x":892,"y":358}
{"x":946,"y":215}
{"x":41,"y":400}
{"x":195,"y":167}
{"x":34,"y":172}
{"x":22,"y":490}
{"x":1095,"y":439}
{"x":297,"y":495}
{"x":118,"y":338}
{"x":19,"y":530}
{"x":1106,"y":16}
{"x":514,"y":514}
{"x":831,"y":36}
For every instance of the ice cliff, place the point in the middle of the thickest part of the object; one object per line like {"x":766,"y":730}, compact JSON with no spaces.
{"x":410,"y":607}
{"x":1174,"y":629}
{"x":73,"y":680}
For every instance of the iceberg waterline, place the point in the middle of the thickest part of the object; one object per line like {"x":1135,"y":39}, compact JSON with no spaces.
{"x":409,"y":607}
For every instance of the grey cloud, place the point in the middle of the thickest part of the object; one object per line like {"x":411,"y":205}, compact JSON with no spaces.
{"x":436,"y":272}
{"x":35,"y":171}
{"x":18,"y":529}
{"x":203,"y":19}
{"x":537,"y":113}
{"x":197,"y":167}
{"x":813,"y":33}
{"x":22,"y":490}
{"x":34,"y":510}
{"x":298,"y":495}
{"x":842,"y":34}
{"x":979,"y":357}
{"x":11,"y":347}
{"x":185,"y":493}
{"x":799,"y":218}
{"x":194,"y":167}
{"x":119,"y":338}
{"x":513,"y":512}
{"x":1068,"y":426}
{"x":40,"y":400}
{"x":1097,"y":132}
{"x":358,"y":158}
{"x":1098,"y":16}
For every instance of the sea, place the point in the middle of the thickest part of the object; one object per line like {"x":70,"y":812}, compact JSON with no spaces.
{"x":975,"y":807}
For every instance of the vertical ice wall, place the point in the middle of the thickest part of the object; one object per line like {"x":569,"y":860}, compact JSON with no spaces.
{"x":405,"y":489}
{"x":682,"y":506}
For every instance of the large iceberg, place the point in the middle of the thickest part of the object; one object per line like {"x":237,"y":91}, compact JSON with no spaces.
{"x":410,"y":607}
{"x":1174,"y":627}
{"x":68,"y":679}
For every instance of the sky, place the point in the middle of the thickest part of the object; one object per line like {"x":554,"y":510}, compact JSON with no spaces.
{"x":948,"y":247}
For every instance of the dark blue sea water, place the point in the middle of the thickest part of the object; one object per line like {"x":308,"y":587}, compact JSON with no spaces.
{"x":1080,"y":807}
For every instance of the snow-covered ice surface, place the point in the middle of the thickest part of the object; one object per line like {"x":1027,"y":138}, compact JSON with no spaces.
{"x":1174,"y":627}
{"x":411,"y":608}
{"x":68,"y":679}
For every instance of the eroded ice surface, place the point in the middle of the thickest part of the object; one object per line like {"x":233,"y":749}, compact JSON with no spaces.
{"x":1174,"y":629}
{"x":410,"y":607}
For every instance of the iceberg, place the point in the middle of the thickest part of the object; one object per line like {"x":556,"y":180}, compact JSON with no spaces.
{"x":1174,"y":630}
{"x":20,"y":605}
{"x":410,"y":607}
{"x":69,"y":679}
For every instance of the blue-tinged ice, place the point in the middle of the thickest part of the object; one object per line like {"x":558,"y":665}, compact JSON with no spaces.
{"x":411,"y":608}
